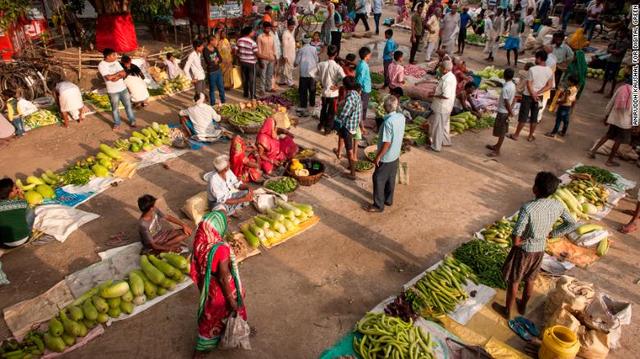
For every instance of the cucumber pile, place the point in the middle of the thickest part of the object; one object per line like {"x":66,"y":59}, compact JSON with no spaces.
{"x":111,"y":299}
{"x":270,"y":228}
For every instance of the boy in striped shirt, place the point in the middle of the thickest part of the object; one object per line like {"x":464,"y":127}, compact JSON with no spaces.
{"x":534,"y":225}
{"x":247,"y":50}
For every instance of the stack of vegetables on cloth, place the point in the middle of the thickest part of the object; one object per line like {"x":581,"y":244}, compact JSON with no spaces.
{"x":215,"y":272}
{"x":272,"y":149}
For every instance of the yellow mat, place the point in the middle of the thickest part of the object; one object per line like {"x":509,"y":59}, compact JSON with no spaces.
{"x":491,"y":331}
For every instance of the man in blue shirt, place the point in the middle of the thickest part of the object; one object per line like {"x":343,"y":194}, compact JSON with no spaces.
{"x":388,"y":156}
{"x":363,"y":78}
{"x":387,"y":55}
{"x":465,"y":21}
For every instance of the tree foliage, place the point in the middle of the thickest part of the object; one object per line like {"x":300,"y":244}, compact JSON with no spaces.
{"x":152,"y":7}
{"x":11,"y":10}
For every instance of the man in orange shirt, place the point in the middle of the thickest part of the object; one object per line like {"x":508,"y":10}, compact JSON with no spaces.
{"x":268,"y":13}
{"x":266,"y":59}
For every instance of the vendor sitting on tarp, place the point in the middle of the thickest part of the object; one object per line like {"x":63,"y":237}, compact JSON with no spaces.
{"x":224,"y":191}
{"x":16,"y":218}
{"x":200,"y":120}
{"x":69,"y":100}
{"x":135,"y":82}
{"x":465,"y":102}
{"x":153,"y":234}
{"x":463,"y":75}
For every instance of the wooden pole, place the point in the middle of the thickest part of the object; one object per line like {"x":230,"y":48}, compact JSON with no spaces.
{"x":79,"y":64}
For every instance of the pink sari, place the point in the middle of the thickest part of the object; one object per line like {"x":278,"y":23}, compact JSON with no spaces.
{"x":274,"y":148}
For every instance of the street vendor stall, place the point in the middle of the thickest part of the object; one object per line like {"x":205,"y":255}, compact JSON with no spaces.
{"x":212,"y":13}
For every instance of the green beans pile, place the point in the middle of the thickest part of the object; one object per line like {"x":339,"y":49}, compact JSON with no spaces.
{"x":390,"y":337}
{"x":363,"y":165}
{"x":486,"y":259}
{"x":600,"y":175}
{"x":440,"y":290}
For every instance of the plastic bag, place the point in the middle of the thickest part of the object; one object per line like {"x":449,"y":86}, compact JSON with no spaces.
{"x":237,"y":78}
{"x":236,"y":334}
{"x":575,"y":294}
{"x":607,"y":315}
{"x":593,"y":344}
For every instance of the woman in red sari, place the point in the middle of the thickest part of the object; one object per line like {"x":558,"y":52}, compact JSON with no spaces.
{"x":244,"y":164}
{"x":215,"y":272}
{"x":273,"y":151}
{"x":461,"y":72}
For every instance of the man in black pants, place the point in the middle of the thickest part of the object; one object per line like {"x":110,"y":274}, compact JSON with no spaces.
{"x":388,"y":156}
{"x":330,"y":74}
{"x":361,"y":14}
{"x":416,"y":32}
{"x":307,"y":61}
{"x":247,"y":54}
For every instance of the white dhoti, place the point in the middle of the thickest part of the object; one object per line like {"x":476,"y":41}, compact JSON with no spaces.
{"x":491,"y":46}
{"x":439,"y":131}
{"x":71,"y":101}
{"x":137,"y":87}
{"x":449,"y":43}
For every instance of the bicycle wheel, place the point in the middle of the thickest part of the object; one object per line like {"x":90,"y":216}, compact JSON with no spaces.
{"x":24,"y":83}
{"x":52,"y":76}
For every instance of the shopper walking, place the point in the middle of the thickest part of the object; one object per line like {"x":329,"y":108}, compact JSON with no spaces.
{"x":213,"y":61}
{"x":416,"y":32}
{"x":361,"y":14}
{"x":376,"y":8}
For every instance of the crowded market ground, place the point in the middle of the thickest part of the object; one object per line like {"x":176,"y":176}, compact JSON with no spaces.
{"x":304,"y":296}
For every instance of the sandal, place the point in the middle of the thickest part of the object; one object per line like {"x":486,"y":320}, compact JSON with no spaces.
{"x":490,"y":147}
{"x":512,"y":137}
{"x":519,"y":329}
{"x":612,"y":164}
{"x":372,"y":208}
{"x":531,"y":138}
{"x":493,"y":154}
{"x":592,"y":155}
{"x":118,"y":239}
{"x":529,"y":325}
{"x":628,"y":228}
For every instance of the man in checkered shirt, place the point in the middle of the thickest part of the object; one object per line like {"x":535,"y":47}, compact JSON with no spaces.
{"x":534,"y":225}
{"x":348,"y":122}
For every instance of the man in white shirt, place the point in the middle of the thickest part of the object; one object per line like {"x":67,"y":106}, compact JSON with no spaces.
{"x":594,"y":9}
{"x":224,"y":191}
{"x":450,"y":29}
{"x":69,"y":99}
{"x":443,"y":100}
{"x":505,"y":110}
{"x":113,"y":75}
{"x":330,"y":74}
{"x":200,"y":120}
{"x":193,"y":69}
{"x":539,"y":81}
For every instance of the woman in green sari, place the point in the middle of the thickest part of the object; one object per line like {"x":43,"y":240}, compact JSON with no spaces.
{"x":215,"y":272}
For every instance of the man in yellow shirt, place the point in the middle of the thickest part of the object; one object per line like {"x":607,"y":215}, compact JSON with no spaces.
{"x":14,"y":114}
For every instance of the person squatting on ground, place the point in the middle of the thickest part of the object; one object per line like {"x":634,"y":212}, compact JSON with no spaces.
{"x":534,"y":225}
{"x":153,"y":234}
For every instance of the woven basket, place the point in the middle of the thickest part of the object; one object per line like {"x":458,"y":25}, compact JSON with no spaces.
{"x":314,"y":175}
{"x":415,"y":113}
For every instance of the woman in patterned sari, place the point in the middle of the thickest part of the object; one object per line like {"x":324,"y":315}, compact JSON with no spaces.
{"x":272,"y":149}
{"x":215,"y":272}
{"x":224,"y":47}
{"x":244,"y":161}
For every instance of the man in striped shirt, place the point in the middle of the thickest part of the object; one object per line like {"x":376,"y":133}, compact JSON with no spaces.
{"x":348,"y":122}
{"x":247,"y":50}
{"x":534,"y":225}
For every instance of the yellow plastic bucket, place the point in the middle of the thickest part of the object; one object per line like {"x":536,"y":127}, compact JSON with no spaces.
{"x":559,"y":342}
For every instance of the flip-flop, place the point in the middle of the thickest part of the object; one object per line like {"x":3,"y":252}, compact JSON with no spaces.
{"x":612,"y":164}
{"x":626,"y":230}
{"x":519,"y":329}
{"x":531,"y":139}
{"x":529,"y":325}
{"x":490,"y":147}
{"x":512,"y":137}
{"x":371,"y":208}
{"x":492,"y":154}
{"x":591,"y":155}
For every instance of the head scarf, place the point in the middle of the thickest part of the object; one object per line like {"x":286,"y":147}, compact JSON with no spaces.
{"x":265,"y":136}
{"x":237,"y":154}
{"x":210,"y":232}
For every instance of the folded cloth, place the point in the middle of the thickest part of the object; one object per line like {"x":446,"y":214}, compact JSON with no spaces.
{"x":60,"y":221}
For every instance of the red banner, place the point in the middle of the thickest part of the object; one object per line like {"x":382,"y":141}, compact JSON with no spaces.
{"x":116,"y":32}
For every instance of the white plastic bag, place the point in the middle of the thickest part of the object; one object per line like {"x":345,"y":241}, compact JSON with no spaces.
{"x":607,"y":315}
{"x":236,"y":334}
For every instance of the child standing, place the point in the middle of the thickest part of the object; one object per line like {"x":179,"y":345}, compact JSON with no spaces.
{"x":534,"y":225}
{"x":349,"y":67}
{"x":513,"y":40}
{"x":396,"y":71}
{"x":363,"y":78}
{"x":387,"y":56}
{"x":505,"y":110}
{"x":316,"y":42}
{"x":348,"y":122}
{"x":565,"y":104}
{"x":14,"y":114}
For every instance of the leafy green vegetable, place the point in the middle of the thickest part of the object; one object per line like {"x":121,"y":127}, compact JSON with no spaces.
{"x":377,"y":78}
{"x":282,"y":185}
{"x":486,"y":260}
{"x":77,"y":176}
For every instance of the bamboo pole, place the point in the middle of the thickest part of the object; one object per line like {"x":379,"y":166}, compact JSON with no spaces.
{"x":79,"y":63}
